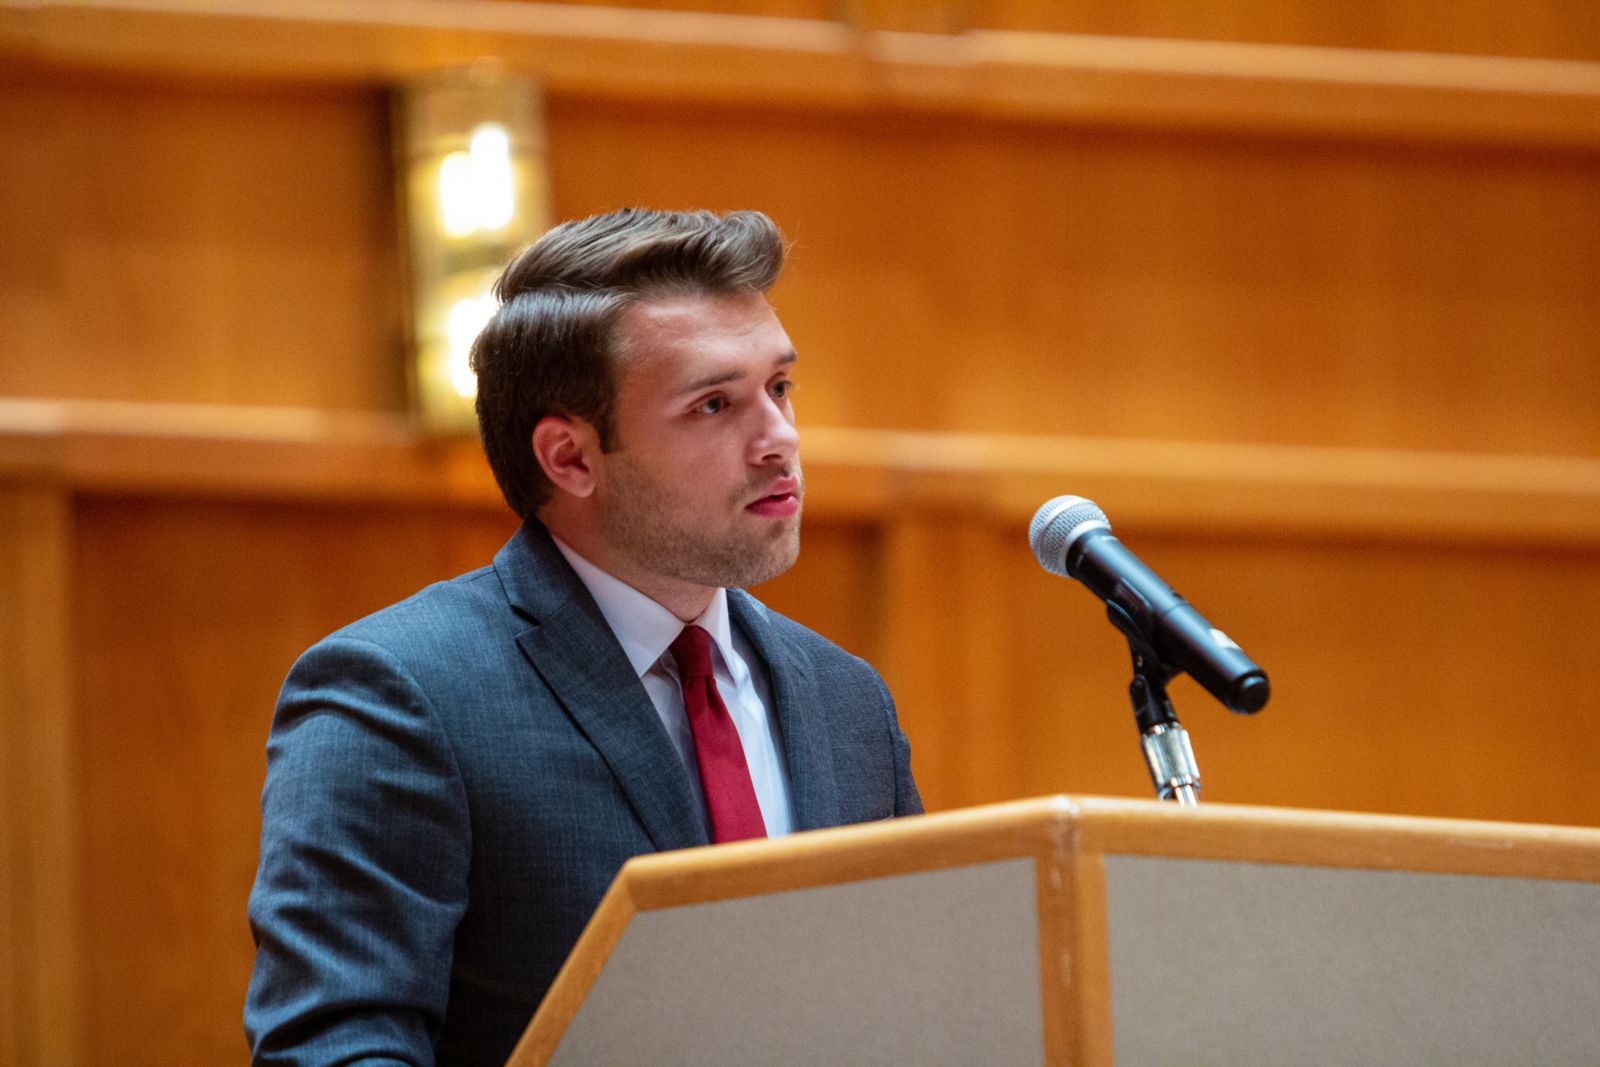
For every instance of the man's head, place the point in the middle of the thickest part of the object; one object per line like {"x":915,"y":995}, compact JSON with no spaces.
{"x":552,"y":346}
{"x":633,"y":392}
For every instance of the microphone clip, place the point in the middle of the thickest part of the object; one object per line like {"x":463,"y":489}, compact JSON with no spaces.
{"x":1165,"y":743}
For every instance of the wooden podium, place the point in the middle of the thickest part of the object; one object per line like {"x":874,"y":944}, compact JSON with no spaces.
{"x":1085,"y":930}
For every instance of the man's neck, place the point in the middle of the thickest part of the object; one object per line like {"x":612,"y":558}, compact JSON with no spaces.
{"x":684,"y":599}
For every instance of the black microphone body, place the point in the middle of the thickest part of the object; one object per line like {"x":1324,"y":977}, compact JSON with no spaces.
{"x":1179,"y":634}
{"x":1072,"y":536}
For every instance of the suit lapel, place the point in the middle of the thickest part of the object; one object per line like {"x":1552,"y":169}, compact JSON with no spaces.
{"x":805,"y":741}
{"x":574,"y":651}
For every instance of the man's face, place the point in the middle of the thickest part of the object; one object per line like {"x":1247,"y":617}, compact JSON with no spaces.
{"x":703,"y":488}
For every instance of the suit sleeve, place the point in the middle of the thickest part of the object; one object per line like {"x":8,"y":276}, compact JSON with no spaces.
{"x":365,"y":845}
{"x":907,"y":800}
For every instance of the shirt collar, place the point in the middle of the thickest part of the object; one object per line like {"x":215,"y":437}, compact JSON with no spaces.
{"x":644,"y":627}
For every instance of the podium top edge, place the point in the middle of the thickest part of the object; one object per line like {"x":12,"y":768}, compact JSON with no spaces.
{"x":1062,"y":830}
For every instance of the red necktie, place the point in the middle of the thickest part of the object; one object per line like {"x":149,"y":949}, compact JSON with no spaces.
{"x":724,"y":775}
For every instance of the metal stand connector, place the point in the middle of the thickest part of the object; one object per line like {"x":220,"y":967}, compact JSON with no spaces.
{"x":1170,"y":757}
{"x":1167,"y":752}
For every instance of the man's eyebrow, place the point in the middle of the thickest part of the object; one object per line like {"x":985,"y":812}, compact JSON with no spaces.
{"x":710,"y":381}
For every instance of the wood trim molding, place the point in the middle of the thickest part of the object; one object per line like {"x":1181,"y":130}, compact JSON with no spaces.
{"x":1256,"y":490}
{"x":236,"y":452}
{"x":39,"y":962}
{"x":1238,"y":832}
{"x":744,"y":59}
{"x":1221,"y":487}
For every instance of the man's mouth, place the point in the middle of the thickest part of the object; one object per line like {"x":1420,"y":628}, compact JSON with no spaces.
{"x":782,"y":499}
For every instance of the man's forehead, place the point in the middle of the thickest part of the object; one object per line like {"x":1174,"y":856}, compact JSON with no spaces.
{"x":677,"y":334}
{"x":696,"y":313}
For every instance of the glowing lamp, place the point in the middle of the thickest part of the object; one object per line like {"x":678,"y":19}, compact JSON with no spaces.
{"x":473,"y":189}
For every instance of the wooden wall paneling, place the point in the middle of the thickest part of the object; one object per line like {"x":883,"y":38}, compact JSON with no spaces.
{"x":1560,"y":28}
{"x":947,"y":646}
{"x":1406,"y":679}
{"x":36,"y":219}
{"x":1110,"y":283}
{"x":1105,"y":283}
{"x":190,"y":613}
{"x":232,"y":451}
{"x":1203,"y":488}
{"x":14,"y":962}
{"x":365,"y":41}
{"x":920,"y":651}
{"x":790,"y":9}
{"x":180,"y":242}
{"x":1564,"y":28}
{"x":1053,"y":77}
{"x":40,"y":1020}
{"x":1567,"y":28}
{"x":1147,"y":285}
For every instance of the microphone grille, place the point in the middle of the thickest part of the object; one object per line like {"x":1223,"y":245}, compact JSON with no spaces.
{"x":1057,"y":524}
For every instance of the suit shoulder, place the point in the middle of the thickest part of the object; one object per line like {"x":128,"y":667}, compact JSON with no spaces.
{"x":456,"y":610}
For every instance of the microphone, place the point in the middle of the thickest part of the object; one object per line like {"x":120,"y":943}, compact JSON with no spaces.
{"x":1072,"y":537}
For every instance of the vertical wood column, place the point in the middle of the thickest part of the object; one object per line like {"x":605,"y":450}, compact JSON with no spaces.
{"x":945,"y":653}
{"x":39,"y":1019}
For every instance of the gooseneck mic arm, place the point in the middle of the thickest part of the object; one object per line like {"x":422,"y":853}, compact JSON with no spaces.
{"x":1071,"y":537}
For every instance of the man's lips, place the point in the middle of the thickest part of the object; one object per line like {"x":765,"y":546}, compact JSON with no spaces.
{"x":781,"y":500}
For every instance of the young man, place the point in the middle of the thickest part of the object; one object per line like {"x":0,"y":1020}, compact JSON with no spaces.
{"x":453,"y":782}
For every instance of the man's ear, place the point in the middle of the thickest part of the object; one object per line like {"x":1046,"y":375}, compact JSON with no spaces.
{"x":566,"y":449}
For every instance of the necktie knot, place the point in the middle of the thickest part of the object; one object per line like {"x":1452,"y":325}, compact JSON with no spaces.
{"x":691,"y":650}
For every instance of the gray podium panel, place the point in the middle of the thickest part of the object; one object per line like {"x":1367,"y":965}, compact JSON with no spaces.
{"x":1246,"y":963}
{"x":934,"y":968}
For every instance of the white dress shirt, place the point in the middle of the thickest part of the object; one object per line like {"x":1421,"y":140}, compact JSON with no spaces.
{"x":645,"y":629}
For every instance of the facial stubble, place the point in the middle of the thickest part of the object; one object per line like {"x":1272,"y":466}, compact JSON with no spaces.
{"x":645,"y":520}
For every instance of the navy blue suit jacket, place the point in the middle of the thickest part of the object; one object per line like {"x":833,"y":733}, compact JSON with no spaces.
{"x":453,"y":782}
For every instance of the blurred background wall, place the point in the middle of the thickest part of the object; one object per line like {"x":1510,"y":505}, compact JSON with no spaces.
{"x":1303,"y":293}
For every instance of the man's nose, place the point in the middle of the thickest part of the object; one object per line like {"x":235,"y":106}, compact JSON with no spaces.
{"x":777,"y":438}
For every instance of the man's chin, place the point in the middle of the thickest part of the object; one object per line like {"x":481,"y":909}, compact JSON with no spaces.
{"x":776,"y":561}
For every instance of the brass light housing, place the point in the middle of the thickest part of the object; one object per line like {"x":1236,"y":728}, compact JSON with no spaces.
{"x":473,"y":188}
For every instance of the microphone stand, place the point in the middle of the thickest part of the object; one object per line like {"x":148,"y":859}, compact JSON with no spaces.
{"x":1164,"y":741}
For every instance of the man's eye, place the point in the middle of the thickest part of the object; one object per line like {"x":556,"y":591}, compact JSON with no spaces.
{"x":711,"y":405}
{"x":782,"y":389}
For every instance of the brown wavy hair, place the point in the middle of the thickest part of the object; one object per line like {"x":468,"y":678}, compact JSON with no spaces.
{"x":552,"y":348}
